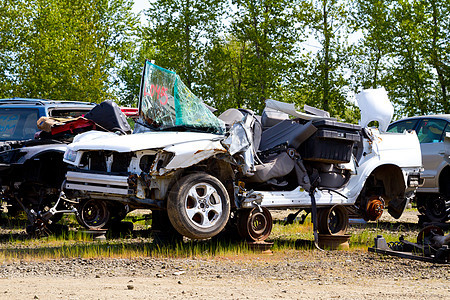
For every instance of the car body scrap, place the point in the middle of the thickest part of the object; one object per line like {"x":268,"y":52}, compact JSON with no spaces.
{"x":199,"y":172}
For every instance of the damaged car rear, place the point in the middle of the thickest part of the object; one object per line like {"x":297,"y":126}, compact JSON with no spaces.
{"x":204,"y":172}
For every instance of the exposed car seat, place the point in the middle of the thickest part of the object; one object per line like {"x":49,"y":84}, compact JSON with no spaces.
{"x":271,"y":117}
{"x":277,"y":166}
{"x":290,"y":132}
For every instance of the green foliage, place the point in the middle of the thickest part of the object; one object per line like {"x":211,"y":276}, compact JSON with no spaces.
{"x":12,"y":17}
{"x":234,"y":55}
{"x":371,"y":18}
{"x":326,"y":77}
{"x":181,"y":31}
{"x":130,"y":72}
{"x":68,"y":49}
{"x":405,"y":49}
{"x":221,"y":76}
{"x":265,"y":35}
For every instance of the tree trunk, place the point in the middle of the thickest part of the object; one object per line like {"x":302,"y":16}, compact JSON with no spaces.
{"x":436,"y":60}
{"x":326,"y":58}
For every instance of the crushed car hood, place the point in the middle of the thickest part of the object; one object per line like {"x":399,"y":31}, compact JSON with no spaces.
{"x":96,"y":140}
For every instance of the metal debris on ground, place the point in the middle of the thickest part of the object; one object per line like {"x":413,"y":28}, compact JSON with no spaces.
{"x":431,"y":246}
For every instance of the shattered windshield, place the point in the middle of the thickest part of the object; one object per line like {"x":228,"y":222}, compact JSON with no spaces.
{"x":166,"y":103}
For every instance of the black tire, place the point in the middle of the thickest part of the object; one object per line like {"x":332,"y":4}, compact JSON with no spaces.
{"x":162,"y":229}
{"x":198,"y":206}
{"x":436,"y":208}
{"x":117,"y":211}
{"x":93,"y":214}
{"x":332,"y":220}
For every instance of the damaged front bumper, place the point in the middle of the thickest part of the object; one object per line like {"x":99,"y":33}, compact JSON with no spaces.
{"x":98,"y":183}
{"x":135,"y":191}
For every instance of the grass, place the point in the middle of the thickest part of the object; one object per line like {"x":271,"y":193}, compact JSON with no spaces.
{"x":16,"y":245}
{"x":53,"y":248}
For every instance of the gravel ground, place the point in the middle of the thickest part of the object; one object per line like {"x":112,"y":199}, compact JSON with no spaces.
{"x":292,"y":274}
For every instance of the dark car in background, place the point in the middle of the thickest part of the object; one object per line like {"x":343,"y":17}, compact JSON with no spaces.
{"x":34,"y":134}
{"x":31,"y":169}
{"x":19,"y":116}
{"x":433,"y":197}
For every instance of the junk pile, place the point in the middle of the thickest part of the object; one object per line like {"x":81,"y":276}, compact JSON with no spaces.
{"x":431,"y":246}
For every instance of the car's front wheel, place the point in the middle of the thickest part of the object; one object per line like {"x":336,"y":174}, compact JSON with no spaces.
{"x":198,"y":206}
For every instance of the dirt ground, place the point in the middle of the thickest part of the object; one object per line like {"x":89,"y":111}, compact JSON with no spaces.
{"x":293,"y":274}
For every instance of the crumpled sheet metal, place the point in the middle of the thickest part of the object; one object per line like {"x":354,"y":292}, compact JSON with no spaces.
{"x":188,"y":154}
{"x":289,"y":108}
{"x":239,"y":142}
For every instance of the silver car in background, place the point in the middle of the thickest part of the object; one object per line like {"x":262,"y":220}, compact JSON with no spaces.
{"x":433,"y":197}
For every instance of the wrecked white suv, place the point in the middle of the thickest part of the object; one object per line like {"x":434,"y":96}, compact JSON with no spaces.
{"x":203,"y":172}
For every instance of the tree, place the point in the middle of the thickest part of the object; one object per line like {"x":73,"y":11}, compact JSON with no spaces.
{"x":322,"y":79}
{"x":13,"y":14}
{"x":406,"y":49}
{"x":70,"y":49}
{"x":131,"y":71}
{"x":410,"y":80}
{"x":436,"y":34}
{"x":221,"y":75}
{"x":369,"y":66}
{"x":263,"y":39}
{"x":180,"y":32}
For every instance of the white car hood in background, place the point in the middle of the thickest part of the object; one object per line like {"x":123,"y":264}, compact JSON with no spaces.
{"x":96,"y":140}
{"x":374,"y":105}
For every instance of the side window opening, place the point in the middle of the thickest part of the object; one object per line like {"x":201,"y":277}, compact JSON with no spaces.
{"x":74,"y":113}
{"x":430,"y":131}
{"x":18,"y":124}
{"x":400,"y":127}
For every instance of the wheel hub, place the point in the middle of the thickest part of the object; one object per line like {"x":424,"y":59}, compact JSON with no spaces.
{"x":203,"y":205}
{"x":93,"y":214}
{"x":333,"y":220}
{"x":255,"y":224}
{"x":374,"y":208}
